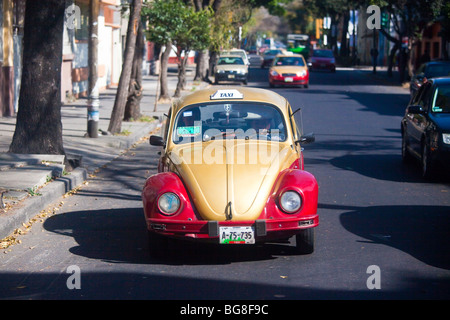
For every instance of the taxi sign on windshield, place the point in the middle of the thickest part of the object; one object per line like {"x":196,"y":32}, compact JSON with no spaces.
{"x":227,"y":94}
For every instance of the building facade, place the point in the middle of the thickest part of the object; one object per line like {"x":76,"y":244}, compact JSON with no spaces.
{"x":75,"y":65}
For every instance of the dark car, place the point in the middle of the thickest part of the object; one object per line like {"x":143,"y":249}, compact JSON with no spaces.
{"x":323,"y":59}
{"x":428,"y":70}
{"x":425,"y":126}
{"x":269,"y":55}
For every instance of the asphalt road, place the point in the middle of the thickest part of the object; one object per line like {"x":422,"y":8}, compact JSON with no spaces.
{"x":383,"y":233}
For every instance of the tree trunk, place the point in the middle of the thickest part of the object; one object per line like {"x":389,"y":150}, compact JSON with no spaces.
{"x":133,"y":107}
{"x":344,"y":43}
{"x":38,"y":126}
{"x":391,"y":59}
{"x":164,"y":90}
{"x":115,"y":124}
{"x":181,"y":74}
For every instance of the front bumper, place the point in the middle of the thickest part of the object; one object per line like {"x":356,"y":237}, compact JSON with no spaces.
{"x":324,"y":66}
{"x":441,"y":154}
{"x":288,"y":81}
{"x":264,"y":229}
{"x":234,"y":77}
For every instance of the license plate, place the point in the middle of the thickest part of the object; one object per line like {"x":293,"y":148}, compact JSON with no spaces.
{"x":237,"y":235}
{"x":231,"y":76}
{"x":288,"y":79}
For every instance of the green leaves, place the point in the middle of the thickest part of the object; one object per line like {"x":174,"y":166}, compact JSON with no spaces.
{"x":173,"y":21}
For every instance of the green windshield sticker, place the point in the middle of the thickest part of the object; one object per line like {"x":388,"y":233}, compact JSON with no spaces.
{"x":188,"y":131}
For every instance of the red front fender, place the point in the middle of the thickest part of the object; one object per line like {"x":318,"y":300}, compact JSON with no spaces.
{"x":159,"y":184}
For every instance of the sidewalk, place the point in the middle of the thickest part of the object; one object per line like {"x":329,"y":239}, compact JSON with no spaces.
{"x":32,"y":182}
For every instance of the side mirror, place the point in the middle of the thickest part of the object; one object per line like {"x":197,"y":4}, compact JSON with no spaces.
{"x":415,"y":110}
{"x":306,"y":139}
{"x":157,"y":141}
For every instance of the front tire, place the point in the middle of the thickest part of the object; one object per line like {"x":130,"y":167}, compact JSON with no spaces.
{"x":305,"y":241}
{"x":157,"y":245}
{"x":427,"y":165}
{"x":406,"y":156}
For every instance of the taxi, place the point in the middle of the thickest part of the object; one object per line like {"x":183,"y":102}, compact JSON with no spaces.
{"x":231,"y":171}
{"x":231,"y":69}
{"x":289,"y":70}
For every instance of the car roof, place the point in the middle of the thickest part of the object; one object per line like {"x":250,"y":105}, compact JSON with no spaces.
{"x":230,"y":56}
{"x":290,"y":55}
{"x":249,"y":94}
{"x":440,"y":80}
{"x":438,"y":62}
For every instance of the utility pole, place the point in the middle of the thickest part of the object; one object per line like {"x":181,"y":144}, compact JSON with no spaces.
{"x":93,"y":99}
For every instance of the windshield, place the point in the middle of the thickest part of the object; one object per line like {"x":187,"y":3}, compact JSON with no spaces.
{"x":441,"y":100}
{"x":289,"y":61}
{"x":323,"y":54}
{"x":215,"y":121}
{"x":272,"y":52}
{"x":230,"y":60}
{"x":438,"y":70}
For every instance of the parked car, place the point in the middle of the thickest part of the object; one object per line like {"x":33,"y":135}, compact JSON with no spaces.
{"x":425,"y":126}
{"x":289,"y":70}
{"x":230,"y":68}
{"x":428,"y":70}
{"x":323,"y":59}
{"x":236,"y":52}
{"x":269,"y":55}
{"x":255,"y":59}
{"x":231,"y":171}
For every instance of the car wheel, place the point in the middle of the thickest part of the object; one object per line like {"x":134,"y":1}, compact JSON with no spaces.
{"x":305,"y":241}
{"x":157,"y":244}
{"x":306,"y":86}
{"x":427,"y":166}
{"x":245,"y":82}
{"x":406,"y":156}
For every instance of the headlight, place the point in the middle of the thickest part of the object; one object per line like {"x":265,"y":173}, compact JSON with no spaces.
{"x":290,"y":201}
{"x":220,"y":71}
{"x":301,"y":73}
{"x":273,"y":73}
{"x":241,"y":71}
{"x":169,"y":203}
{"x":446,"y":138}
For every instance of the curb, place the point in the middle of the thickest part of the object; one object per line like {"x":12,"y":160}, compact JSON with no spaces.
{"x":31,"y":206}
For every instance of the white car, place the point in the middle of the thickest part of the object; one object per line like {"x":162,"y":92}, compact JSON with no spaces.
{"x":234,"y":52}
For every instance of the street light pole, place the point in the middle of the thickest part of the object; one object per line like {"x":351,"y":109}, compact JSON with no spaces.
{"x":93,"y":99}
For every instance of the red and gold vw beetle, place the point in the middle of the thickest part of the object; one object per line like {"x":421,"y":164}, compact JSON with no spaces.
{"x":231,"y":171}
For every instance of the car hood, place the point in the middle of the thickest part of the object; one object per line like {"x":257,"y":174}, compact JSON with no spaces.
{"x":289,"y":69}
{"x":234,"y":175}
{"x":442,"y":120}
{"x":322,"y":59}
{"x":231,"y":67}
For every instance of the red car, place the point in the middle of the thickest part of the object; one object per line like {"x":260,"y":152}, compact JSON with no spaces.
{"x":323,"y":59}
{"x":289,"y":70}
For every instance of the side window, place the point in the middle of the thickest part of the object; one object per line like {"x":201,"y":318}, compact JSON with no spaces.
{"x":424,"y":100}
{"x":416,"y":97}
